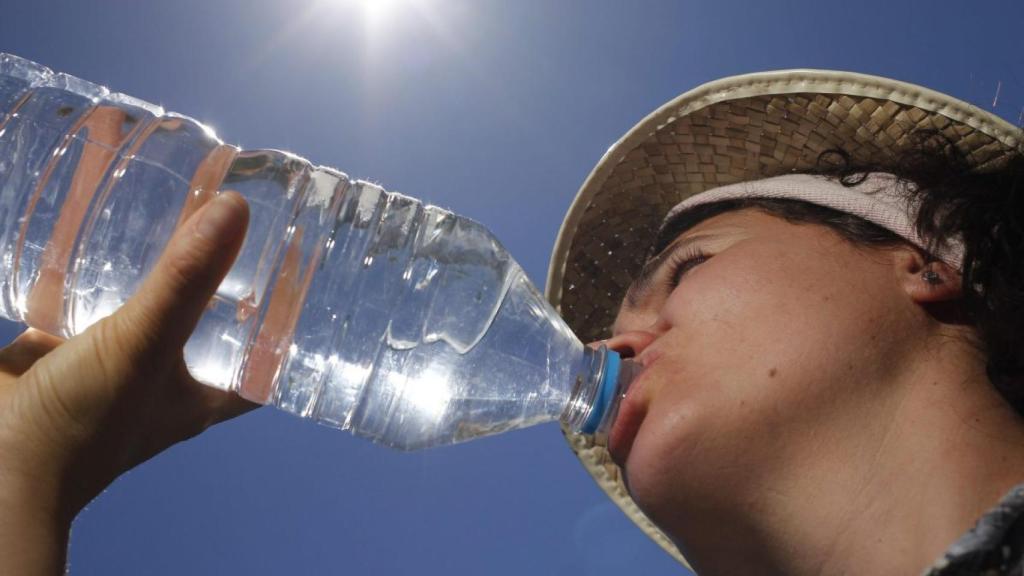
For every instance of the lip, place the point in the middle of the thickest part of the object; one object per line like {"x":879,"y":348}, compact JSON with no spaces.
{"x":632,"y":411}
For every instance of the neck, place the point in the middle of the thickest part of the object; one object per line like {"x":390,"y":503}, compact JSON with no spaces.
{"x":892,"y":490}
{"x":936,"y":474}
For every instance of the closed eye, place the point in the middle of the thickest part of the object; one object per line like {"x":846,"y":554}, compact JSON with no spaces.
{"x":667,"y":268}
{"x":681,"y":262}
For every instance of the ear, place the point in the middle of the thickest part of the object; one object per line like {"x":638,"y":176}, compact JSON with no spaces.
{"x":911,"y":267}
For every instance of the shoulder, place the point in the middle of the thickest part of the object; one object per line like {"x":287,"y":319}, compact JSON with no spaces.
{"x":995,"y":546}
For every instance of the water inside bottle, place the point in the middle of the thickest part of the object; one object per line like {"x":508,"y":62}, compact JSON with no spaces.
{"x":362,"y":309}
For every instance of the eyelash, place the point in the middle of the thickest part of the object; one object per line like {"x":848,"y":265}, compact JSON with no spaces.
{"x":681,"y":262}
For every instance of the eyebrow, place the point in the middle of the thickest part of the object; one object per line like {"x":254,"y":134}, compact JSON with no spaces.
{"x":651,"y":267}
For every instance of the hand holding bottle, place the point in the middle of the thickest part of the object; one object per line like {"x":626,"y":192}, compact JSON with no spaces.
{"x":76,"y":414}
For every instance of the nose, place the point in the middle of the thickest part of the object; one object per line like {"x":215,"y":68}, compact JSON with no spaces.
{"x":632,"y":343}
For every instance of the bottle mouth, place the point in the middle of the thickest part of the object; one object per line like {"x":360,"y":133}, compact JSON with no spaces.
{"x":619,"y":383}
{"x":597,"y":394}
{"x":604,"y":396}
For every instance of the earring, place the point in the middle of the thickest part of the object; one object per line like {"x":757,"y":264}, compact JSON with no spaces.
{"x":932,"y":277}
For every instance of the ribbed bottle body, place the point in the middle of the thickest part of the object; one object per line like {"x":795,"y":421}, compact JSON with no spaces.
{"x":362,"y":309}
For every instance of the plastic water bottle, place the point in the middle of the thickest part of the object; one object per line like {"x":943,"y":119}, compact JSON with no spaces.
{"x":359,"y":308}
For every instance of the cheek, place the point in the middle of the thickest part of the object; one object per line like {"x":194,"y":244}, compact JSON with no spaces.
{"x":761,"y":313}
{"x":702,"y":436}
{"x":753,"y":362}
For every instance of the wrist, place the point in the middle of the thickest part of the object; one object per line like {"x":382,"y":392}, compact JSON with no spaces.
{"x":32,"y":480}
{"x":33,"y":529}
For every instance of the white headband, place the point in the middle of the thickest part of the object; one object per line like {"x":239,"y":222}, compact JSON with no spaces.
{"x":881,"y":199}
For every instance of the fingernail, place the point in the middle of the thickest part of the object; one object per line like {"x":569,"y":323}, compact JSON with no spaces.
{"x":220,"y":217}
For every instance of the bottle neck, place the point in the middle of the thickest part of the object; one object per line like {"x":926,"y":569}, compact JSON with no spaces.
{"x":600,"y":387}
{"x":593,"y":390}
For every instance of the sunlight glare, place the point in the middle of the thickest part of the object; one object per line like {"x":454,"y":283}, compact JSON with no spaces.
{"x":428,"y":392}
{"x":377,"y":12}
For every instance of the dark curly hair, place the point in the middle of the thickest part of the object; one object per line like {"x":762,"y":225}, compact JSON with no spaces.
{"x":983,"y":208}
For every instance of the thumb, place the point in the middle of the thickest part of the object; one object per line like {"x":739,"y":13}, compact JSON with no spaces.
{"x":169,"y":303}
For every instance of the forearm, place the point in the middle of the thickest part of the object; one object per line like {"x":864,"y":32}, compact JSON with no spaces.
{"x":33,"y":539}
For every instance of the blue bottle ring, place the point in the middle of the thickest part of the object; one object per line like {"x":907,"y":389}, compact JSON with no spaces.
{"x":605,"y":393}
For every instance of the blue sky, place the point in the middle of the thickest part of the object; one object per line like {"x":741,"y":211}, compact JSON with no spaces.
{"x":497,"y":110}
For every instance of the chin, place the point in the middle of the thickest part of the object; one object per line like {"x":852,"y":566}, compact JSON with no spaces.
{"x":658,"y":472}
{"x":654,"y":494}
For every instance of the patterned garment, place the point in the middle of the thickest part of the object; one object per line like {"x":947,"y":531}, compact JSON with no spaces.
{"x":995,"y":546}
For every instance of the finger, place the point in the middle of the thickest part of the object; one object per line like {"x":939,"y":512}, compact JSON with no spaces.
{"x":211,"y":405}
{"x":174,"y":295}
{"x":223,"y":405}
{"x":31,"y":345}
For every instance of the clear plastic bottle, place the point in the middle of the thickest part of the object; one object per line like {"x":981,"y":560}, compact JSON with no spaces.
{"x":361,"y":309}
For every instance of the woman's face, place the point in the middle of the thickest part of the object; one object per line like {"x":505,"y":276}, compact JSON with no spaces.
{"x":761,"y":364}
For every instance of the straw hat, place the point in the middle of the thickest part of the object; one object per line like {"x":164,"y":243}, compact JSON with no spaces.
{"x":732,"y":130}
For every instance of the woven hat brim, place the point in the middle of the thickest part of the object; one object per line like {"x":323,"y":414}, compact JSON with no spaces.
{"x":732,"y":130}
